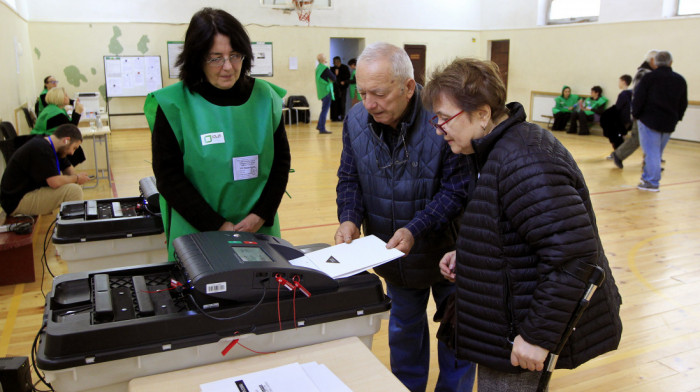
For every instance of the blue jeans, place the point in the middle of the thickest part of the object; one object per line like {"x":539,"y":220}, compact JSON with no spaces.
{"x":409,"y":342}
{"x":653,"y":144}
{"x":325,"y":105}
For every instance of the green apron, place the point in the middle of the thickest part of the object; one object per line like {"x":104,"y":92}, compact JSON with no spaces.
{"x":323,"y":86}
{"x":210,"y":151}
{"x":48,"y":113}
{"x":353,"y":88}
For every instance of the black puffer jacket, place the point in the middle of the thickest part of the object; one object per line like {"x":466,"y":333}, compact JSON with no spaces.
{"x":529,"y":217}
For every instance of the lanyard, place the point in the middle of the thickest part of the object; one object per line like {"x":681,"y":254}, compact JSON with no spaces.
{"x":55,"y":155}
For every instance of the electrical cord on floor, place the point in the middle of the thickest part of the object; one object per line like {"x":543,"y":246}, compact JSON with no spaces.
{"x":44,"y":260}
{"x":34,"y":351}
{"x":236,"y":316}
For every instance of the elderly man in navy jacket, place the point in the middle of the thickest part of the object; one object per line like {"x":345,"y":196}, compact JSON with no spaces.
{"x":660,"y":100}
{"x":400,"y":181}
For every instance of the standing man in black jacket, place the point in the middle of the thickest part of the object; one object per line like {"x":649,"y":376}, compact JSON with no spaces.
{"x":659,"y":103}
{"x":340,"y":89}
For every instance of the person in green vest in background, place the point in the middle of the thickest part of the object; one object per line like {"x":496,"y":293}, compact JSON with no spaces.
{"x":352,"y":91}
{"x":586,"y":110}
{"x":55,"y":114}
{"x":324,"y":91}
{"x":563,"y":106}
{"x":220,"y":151}
{"x":49,"y":83}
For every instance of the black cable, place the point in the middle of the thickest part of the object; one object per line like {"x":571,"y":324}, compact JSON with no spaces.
{"x":34,"y":351}
{"x":44,"y":260}
{"x":232,"y":317}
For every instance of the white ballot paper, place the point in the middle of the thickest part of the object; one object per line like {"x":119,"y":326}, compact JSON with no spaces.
{"x":343,"y":260}
{"x":308,"y":377}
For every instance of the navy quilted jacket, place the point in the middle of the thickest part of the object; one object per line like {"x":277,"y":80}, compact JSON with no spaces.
{"x":528,"y":219}
{"x":424,"y":189}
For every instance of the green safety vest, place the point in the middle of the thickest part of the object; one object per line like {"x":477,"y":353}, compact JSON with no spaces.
{"x":49,"y":112}
{"x":211,"y":138}
{"x":353,"y":88}
{"x":591,"y":104}
{"x":39,"y":104}
{"x":323,"y":86}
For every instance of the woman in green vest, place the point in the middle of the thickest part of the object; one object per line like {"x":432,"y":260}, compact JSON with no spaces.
{"x":49,"y":83}
{"x":354,"y":95}
{"x":220,"y":152}
{"x":54,"y":115}
{"x":563,"y":106}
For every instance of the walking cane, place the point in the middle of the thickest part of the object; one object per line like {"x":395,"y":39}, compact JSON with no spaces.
{"x":594,"y":281}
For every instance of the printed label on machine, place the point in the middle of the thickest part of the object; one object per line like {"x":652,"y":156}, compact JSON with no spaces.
{"x":213,"y":288}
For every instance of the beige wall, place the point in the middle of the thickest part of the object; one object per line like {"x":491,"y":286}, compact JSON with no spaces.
{"x":61,"y":46}
{"x":581,"y":56}
{"x":541,"y":58}
{"x":17,"y":88}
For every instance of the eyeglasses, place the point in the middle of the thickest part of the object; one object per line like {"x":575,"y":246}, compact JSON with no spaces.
{"x":52,"y":82}
{"x":392,"y":162}
{"x":434,"y":122}
{"x":235,"y":58}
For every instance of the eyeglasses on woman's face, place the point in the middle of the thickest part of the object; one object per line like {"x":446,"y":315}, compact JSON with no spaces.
{"x":219,"y":61}
{"x":438,"y":126}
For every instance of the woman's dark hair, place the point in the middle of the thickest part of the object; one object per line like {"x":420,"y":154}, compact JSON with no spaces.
{"x":470,"y":83}
{"x":46,"y":79}
{"x":204,"y":26}
{"x":597,"y":89}
{"x":352,"y":62}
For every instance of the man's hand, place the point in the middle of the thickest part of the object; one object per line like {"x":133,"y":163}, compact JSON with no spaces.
{"x":347,"y":231}
{"x":251,"y":223}
{"x":447,"y":265}
{"x":82,"y":178}
{"x":401,"y":240}
{"x":527,"y":356}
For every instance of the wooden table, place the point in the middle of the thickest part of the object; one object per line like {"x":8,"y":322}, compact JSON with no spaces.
{"x":102,"y":167}
{"x":347,"y":358}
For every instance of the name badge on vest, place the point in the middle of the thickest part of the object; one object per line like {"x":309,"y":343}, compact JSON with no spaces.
{"x":213,"y":138}
{"x":245,"y":168}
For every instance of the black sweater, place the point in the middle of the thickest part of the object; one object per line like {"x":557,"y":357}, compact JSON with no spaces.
{"x":176,"y":188}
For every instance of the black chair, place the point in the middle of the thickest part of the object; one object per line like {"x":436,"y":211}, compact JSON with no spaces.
{"x":300,"y":106}
{"x":7,"y":130}
{"x":30,"y":116}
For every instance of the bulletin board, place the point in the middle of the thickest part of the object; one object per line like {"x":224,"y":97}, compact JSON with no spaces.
{"x":132,"y":76}
{"x":262,"y":59}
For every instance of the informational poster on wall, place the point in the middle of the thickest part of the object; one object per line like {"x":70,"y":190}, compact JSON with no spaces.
{"x":132,"y":76}
{"x":174,"y":50}
{"x":262,"y":61}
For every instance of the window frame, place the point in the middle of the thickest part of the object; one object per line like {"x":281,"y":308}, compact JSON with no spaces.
{"x":571,"y":20}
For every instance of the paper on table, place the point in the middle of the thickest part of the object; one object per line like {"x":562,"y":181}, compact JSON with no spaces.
{"x":308,"y":377}
{"x":286,"y":378}
{"x":343,"y":260}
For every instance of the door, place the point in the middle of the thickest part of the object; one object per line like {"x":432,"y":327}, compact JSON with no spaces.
{"x":417,"y":55}
{"x":500,"y":51}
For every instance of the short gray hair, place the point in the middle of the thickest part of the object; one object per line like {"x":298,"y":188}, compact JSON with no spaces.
{"x":663,"y":59}
{"x":402,"y":68}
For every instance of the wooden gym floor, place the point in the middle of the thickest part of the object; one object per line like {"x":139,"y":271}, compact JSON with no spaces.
{"x":651,"y":239}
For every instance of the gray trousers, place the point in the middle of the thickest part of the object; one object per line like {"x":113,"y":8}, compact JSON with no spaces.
{"x":630,"y":145}
{"x":490,"y":380}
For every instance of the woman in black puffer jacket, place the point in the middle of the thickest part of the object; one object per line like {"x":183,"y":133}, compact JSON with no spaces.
{"x":527,"y":227}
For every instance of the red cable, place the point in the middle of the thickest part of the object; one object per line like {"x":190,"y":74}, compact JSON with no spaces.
{"x":279,"y":315}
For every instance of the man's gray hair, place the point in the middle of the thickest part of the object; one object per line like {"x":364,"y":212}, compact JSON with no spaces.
{"x":650,"y":55}
{"x":663,"y":59}
{"x":402,"y":68}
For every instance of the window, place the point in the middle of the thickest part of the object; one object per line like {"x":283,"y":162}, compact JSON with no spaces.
{"x":573,"y":11}
{"x":688,"y":7}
